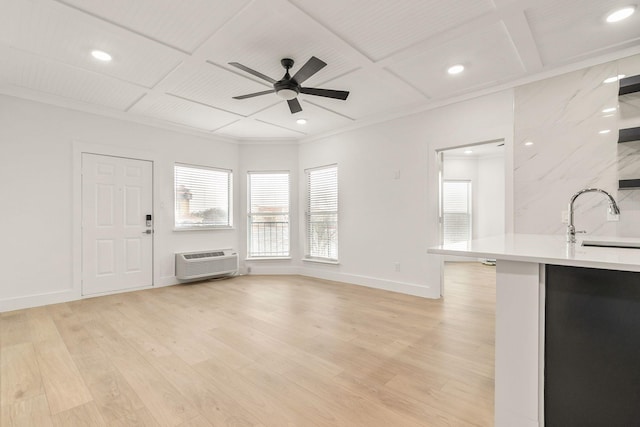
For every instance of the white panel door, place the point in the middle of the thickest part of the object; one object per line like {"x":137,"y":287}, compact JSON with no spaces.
{"x":117,"y":243}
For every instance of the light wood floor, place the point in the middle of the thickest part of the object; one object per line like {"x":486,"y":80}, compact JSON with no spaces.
{"x":255,"y":351}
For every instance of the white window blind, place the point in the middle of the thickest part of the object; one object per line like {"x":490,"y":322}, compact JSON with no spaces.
{"x":268,"y":214}
{"x":322,"y":213}
{"x":456,"y":209}
{"x":202,"y":197}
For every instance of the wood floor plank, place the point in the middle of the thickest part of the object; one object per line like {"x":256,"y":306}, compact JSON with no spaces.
{"x":20,"y":376}
{"x":210,"y":400}
{"x":80,"y":416}
{"x":62,"y":381}
{"x":41,"y":325}
{"x":140,"y":418}
{"x":256,"y":351}
{"x":165,"y":403}
{"x":14,"y":328}
{"x":418,"y":410}
{"x":28,"y":412}
{"x":264,"y":406}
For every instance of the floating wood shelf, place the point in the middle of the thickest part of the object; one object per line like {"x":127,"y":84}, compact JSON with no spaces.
{"x":629,"y":134}
{"x":629,"y":85}
{"x":629,"y":184}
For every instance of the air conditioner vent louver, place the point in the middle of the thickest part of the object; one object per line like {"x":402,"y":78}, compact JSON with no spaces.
{"x":206,"y":264}
{"x":204,"y":255}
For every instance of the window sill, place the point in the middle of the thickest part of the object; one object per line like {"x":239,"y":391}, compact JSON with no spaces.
{"x":272,"y":258}
{"x":202,"y":228}
{"x":321,"y":261}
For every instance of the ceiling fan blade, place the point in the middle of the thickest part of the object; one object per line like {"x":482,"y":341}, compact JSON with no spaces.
{"x":294,"y":105}
{"x":251,"y":95}
{"x":254,"y":72}
{"x":312,"y":66}
{"x":328,"y":93}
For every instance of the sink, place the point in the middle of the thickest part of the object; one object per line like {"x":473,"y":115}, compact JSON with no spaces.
{"x":610,"y":244}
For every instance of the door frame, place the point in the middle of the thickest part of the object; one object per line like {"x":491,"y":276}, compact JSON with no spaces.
{"x":78,"y":148}
{"x":435,"y":172}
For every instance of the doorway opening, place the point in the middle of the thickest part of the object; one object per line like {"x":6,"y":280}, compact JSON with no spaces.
{"x":471,"y":197}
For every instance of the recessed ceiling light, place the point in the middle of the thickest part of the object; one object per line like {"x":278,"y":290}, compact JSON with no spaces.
{"x":468,"y":151}
{"x":456,"y":69}
{"x":620,"y":14}
{"x":604,"y":131}
{"x":528,"y":143}
{"x":609,"y":110}
{"x":613,"y":79}
{"x":301,"y":121}
{"x":101,"y":55}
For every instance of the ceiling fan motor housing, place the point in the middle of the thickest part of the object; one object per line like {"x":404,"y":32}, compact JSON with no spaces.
{"x":287,"y":83}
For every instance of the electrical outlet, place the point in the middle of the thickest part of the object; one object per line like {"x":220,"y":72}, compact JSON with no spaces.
{"x":248,"y":270}
{"x":613,"y":217}
{"x":397,"y":266}
{"x":564,"y":216}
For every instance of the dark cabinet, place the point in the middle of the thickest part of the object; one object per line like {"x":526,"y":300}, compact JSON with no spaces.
{"x":592,"y":347}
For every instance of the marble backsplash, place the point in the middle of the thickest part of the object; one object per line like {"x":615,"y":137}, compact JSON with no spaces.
{"x":575,"y":146}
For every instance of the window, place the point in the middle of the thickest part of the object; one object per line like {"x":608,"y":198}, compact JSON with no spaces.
{"x":322,"y":213}
{"x":268,"y":214}
{"x":456,"y":210}
{"x":203,"y":197}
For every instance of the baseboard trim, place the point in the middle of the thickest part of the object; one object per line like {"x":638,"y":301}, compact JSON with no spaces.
{"x":424,"y":291}
{"x":36,"y":300}
{"x":275,"y":270}
{"x":66,"y":295}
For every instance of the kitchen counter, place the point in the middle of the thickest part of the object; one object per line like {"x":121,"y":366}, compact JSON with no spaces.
{"x":547,"y":249}
{"x":590,"y":292}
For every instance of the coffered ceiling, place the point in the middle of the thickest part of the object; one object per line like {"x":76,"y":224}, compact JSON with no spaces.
{"x":170,"y":63}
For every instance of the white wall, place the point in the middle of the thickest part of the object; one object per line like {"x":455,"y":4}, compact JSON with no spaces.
{"x":388,"y":185}
{"x":39,"y":184}
{"x":490,"y":213}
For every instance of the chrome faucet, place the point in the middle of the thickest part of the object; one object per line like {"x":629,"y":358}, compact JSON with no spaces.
{"x":571,"y":229}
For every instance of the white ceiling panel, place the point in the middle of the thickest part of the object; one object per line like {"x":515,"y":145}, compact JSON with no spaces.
{"x":488,"y":55}
{"x":170,"y":57}
{"x":179,"y":111}
{"x":213,"y":85}
{"x":256,"y":129}
{"x":371,"y":91}
{"x":318,"y":119}
{"x":573,"y":28}
{"x":265,"y":32}
{"x":191,"y":23}
{"x":58,"y":32}
{"x":379,"y":28}
{"x":52,"y":78}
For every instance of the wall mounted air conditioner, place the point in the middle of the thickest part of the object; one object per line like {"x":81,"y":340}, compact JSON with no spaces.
{"x":206,"y":264}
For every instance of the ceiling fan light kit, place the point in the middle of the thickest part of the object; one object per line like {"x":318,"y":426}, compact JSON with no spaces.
{"x":288,"y":87}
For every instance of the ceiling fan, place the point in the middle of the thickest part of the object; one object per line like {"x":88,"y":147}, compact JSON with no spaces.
{"x":289,"y":87}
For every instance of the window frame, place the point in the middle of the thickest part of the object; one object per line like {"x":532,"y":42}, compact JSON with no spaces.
{"x":250,"y":215}
{"x":308,"y":256}
{"x":195,"y":227}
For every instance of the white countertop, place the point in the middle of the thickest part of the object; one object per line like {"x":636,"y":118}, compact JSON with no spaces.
{"x":547,"y":249}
